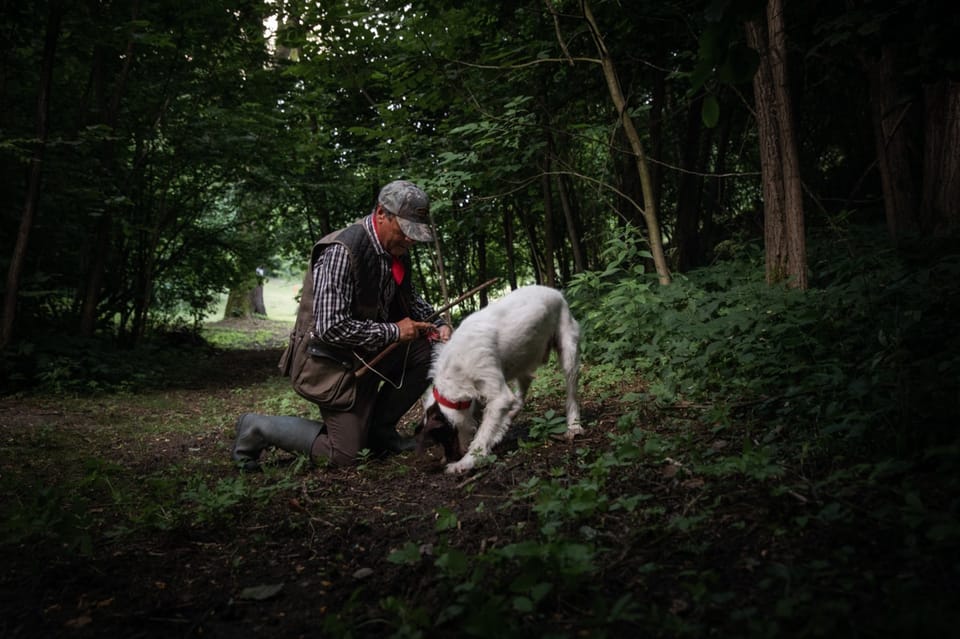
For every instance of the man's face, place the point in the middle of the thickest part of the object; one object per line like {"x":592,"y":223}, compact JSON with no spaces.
{"x":391,"y":237}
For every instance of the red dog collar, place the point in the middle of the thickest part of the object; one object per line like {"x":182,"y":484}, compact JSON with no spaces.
{"x":443,"y":401}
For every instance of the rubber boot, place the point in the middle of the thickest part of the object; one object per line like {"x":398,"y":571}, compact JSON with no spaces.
{"x":256,"y":432}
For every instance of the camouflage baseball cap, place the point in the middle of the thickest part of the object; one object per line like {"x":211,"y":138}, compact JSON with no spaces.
{"x":411,"y":205}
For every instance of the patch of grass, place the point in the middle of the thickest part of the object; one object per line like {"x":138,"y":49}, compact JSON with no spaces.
{"x":256,"y":333}
{"x":280,"y":298}
{"x":716,"y":495}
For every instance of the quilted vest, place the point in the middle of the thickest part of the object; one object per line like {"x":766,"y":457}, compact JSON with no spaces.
{"x":364,"y":261}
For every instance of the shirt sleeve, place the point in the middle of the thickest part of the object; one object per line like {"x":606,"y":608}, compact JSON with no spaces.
{"x":421,"y":310}
{"x":334,"y":286}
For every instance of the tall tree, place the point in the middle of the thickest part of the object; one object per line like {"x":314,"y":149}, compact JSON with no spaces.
{"x":784,"y":227}
{"x":649,"y":212}
{"x":54,"y":16}
{"x":914,"y":104}
{"x":893,"y":121}
{"x":109,"y":107}
{"x":941,"y":158}
{"x":687,"y":241}
{"x":549,"y":251}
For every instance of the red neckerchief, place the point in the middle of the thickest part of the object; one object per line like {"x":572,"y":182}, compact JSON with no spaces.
{"x":396,"y":266}
{"x":443,"y":401}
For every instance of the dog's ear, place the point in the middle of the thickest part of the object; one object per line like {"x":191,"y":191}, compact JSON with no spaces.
{"x":437,"y":429}
{"x":422,"y":436}
{"x":426,"y":431}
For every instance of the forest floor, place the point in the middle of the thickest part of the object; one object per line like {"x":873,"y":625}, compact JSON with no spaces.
{"x":126,"y":517}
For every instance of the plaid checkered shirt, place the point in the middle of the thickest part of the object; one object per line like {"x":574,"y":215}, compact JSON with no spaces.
{"x":334,"y":289}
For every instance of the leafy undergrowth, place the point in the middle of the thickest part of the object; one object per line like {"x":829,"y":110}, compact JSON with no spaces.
{"x":756,"y":463}
{"x":124,"y":517}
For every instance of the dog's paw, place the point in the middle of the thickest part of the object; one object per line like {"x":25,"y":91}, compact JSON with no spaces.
{"x":460,"y":467}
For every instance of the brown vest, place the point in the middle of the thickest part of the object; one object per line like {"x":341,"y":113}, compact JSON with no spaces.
{"x":364,"y":261}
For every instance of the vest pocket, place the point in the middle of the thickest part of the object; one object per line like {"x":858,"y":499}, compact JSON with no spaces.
{"x":323,"y":375}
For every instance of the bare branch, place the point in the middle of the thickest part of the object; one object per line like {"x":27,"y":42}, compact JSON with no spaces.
{"x":526,"y":64}
{"x":556,"y":26}
{"x":600,"y":183}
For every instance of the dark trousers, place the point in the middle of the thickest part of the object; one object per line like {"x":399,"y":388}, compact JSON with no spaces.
{"x":379,"y":406}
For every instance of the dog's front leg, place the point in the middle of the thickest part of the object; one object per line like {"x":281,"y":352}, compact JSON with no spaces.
{"x":496,"y":421}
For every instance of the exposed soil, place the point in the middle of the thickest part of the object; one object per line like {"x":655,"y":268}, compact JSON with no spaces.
{"x":311,"y":559}
{"x":277,"y":570}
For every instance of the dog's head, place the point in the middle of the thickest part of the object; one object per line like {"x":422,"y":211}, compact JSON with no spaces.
{"x":437,"y":429}
{"x":452,"y":424}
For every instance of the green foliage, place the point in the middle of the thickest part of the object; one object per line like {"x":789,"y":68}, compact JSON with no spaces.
{"x":99,"y":365}
{"x":521,"y":583}
{"x":623,"y":290}
{"x":49,"y":514}
{"x":408,"y":554}
{"x":834,"y":409}
{"x":737,"y":507}
{"x":816,"y":357}
{"x":73,"y":514}
{"x":214,"y":504}
{"x":550,"y":423}
{"x":757,"y":360}
{"x":90,"y":366}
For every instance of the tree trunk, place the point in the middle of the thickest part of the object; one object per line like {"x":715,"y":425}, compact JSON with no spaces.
{"x":482,"y":268}
{"x":509,"y":239}
{"x":55,"y":13}
{"x":535,"y":256}
{"x":940,"y":212}
{"x":784,"y":233}
{"x":790,"y":154}
{"x":438,"y":264}
{"x":771,"y":170}
{"x":256,"y":300}
{"x":631,"y":191}
{"x":550,"y":277}
{"x":689,"y":250}
{"x":657,"y":101}
{"x":94,"y":281}
{"x":104,"y":228}
{"x":573,"y":233}
{"x":142,"y":297}
{"x":569,"y":215}
{"x":715,"y":192}
{"x":650,"y":214}
{"x":239,"y":303}
{"x":896,"y":156}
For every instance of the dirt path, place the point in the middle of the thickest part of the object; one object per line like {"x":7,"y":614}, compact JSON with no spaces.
{"x":123,"y":516}
{"x":298,"y":545}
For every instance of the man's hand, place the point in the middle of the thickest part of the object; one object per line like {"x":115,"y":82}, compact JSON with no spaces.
{"x":411,"y":330}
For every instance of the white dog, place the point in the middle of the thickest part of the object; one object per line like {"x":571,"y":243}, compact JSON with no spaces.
{"x":506,"y":341}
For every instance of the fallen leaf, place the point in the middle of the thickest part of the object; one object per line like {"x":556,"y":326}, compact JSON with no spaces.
{"x":261,"y":592}
{"x":363,"y":573}
{"x":79,"y":622}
